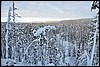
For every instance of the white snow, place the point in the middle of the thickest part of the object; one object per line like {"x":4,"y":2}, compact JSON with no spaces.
{"x":50,"y":50}
{"x":3,"y":63}
{"x":94,"y":42}
{"x":67,"y":59}
{"x":39,"y":31}
{"x":50,"y":27}
{"x":39,"y":63}
{"x":34,"y":31}
{"x":42,"y":30}
{"x":51,"y":64}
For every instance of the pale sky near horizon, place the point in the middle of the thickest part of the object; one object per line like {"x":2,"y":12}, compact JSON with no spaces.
{"x":40,"y":10}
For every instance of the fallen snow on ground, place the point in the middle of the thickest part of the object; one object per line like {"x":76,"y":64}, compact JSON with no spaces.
{"x":3,"y":63}
{"x":51,"y":64}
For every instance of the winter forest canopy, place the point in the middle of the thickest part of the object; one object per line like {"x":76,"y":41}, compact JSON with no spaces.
{"x":61,"y":43}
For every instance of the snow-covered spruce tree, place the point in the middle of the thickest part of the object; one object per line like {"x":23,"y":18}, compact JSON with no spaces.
{"x":9,"y":33}
{"x":49,"y":46}
{"x":79,"y":39}
{"x":37,"y":51}
{"x":46,"y":46}
{"x":8,"y":26}
{"x":3,"y":41}
{"x":53,"y":49}
{"x":94,"y":38}
{"x":42,"y":49}
{"x":90,"y":57}
{"x":15,"y":46}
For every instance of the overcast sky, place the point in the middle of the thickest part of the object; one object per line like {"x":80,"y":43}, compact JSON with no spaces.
{"x":49,"y":9}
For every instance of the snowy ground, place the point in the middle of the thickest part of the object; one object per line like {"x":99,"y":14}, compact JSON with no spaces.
{"x":3,"y":63}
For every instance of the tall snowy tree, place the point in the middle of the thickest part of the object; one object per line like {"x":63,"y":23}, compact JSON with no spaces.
{"x":8,"y":26}
{"x":94,"y":36}
{"x":9,"y":29}
{"x":93,"y":42}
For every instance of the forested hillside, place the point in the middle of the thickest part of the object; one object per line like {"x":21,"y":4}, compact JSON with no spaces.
{"x":60,"y":46}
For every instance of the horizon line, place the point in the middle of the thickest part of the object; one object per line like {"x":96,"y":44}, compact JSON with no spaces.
{"x":41,"y":20}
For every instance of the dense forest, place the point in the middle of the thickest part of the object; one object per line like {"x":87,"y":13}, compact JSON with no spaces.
{"x":62,"y":43}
